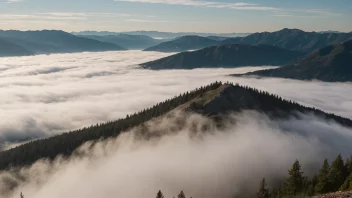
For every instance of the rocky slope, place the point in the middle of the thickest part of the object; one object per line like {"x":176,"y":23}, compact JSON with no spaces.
{"x":336,"y":195}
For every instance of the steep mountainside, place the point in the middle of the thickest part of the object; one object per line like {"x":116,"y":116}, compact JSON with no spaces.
{"x":183,"y":44}
{"x":332,"y":64}
{"x":293,"y":39}
{"x":226,"y":56}
{"x":128,"y":41}
{"x":52,"y":41}
{"x":214,"y":100}
{"x":11,"y":49}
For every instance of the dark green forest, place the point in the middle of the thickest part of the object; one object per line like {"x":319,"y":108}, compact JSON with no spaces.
{"x":65,"y":144}
{"x":329,"y":178}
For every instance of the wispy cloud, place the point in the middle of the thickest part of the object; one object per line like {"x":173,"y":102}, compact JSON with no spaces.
{"x":306,"y":13}
{"x":13,"y":1}
{"x":237,"y":6}
{"x":146,"y":21}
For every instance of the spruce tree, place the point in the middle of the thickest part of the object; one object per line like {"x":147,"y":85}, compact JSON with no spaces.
{"x":323,"y":181}
{"x":337,"y":174}
{"x":294,"y":183}
{"x":347,"y":185}
{"x":348,"y":166}
{"x":263,"y":192}
{"x":181,"y":195}
{"x":310,"y":191}
{"x":159,"y":194}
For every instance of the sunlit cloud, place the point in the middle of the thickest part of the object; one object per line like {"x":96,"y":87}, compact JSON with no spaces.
{"x":237,"y":6}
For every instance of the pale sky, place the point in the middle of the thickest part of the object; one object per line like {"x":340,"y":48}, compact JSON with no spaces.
{"x":218,"y":16}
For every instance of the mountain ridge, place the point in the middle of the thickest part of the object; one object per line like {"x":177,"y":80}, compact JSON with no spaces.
{"x":293,"y":39}
{"x":127,"y":41}
{"x":331,"y":64}
{"x":55,"y":41}
{"x":183,"y":43}
{"x":231,"y":55}
{"x":215,"y":100}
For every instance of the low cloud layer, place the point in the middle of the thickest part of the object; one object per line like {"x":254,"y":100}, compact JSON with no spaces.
{"x":214,"y":163}
{"x":49,"y":94}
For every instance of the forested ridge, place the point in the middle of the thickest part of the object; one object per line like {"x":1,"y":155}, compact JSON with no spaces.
{"x":66,"y":143}
{"x":236,"y":98}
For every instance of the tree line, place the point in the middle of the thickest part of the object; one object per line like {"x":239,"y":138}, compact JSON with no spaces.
{"x":329,"y":178}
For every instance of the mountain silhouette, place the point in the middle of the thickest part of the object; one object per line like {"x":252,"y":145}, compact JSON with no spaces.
{"x":128,"y":41}
{"x":235,"y":55}
{"x":332,"y":64}
{"x":293,"y":39}
{"x":52,"y":41}
{"x":183,"y":44}
{"x":7,"y":48}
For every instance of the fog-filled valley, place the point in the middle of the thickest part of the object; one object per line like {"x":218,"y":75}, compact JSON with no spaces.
{"x":46,"y":95}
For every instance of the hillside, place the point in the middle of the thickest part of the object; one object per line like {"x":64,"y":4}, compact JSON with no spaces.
{"x":128,"y":41}
{"x":331,"y":64}
{"x":183,"y":44}
{"x":292,"y":39}
{"x":11,"y":49}
{"x":214,"y":100}
{"x":336,"y":195}
{"x":52,"y":41}
{"x":226,"y":56}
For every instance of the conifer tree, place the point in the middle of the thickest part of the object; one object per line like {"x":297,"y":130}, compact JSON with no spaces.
{"x":323,"y":181}
{"x":310,"y":191}
{"x":347,"y":185}
{"x":263,"y":192}
{"x":294,"y":183}
{"x":159,"y":194}
{"x":181,"y":195}
{"x":348,"y":166}
{"x":337,"y":174}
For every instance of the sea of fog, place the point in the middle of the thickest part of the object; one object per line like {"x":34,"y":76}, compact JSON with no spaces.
{"x":49,"y":94}
{"x":45,"y":95}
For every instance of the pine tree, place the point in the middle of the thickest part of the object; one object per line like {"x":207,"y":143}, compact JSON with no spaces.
{"x":181,"y":195}
{"x":310,"y":191}
{"x":337,"y":174}
{"x":348,"y":166}
{"x":294,"y":183}
{"x":263,"y":191}
{"x":159,"y":194}
{"x":347,"y":185}
{"x":323,"y":181}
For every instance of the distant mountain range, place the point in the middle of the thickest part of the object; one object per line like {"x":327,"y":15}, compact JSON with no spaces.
{"x":128,"y":41}
{"x":160,"y":35}
{"x":215,"y":101}
{"x":183,"y":44}
{"x":292,"y":39}
{"x":52,"y":41}
{"x":234,"y":55}
{"x":332,"y":64}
